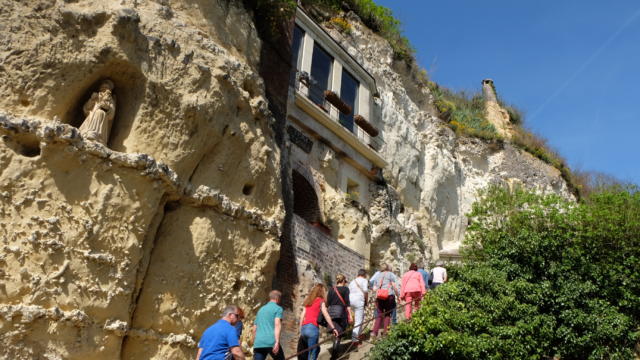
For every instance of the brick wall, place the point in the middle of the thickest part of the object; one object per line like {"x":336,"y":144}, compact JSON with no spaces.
{"x":328,"y":256}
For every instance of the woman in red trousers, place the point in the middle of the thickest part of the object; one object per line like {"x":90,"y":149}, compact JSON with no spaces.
{"x":412,"y":290}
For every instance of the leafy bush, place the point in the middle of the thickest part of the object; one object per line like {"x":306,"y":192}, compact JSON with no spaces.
{"x":543,"y":277}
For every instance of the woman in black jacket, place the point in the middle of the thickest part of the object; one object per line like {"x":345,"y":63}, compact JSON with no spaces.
{"x":339,"y":309}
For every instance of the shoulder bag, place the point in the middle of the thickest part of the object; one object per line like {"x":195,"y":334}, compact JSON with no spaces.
{"x":321,"y":320}
{"x":382,"y":294}
{"x":349,"y":318}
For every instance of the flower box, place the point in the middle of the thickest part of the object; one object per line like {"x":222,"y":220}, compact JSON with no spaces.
{"x":335,"y":100}
{"x":365,"y":125}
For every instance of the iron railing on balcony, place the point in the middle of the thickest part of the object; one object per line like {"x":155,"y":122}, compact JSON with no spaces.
{"x":304,"y":86}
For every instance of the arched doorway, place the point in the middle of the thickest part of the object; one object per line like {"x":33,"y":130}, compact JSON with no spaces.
{"x":305,"y":200}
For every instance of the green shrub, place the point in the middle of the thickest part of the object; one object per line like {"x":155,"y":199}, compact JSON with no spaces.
{"x":543,"y":277}
{"x":445,"y":108}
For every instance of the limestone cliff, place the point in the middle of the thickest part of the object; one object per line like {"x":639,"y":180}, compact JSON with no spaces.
{"x":433,"y":175}
{"x":130,"y":250}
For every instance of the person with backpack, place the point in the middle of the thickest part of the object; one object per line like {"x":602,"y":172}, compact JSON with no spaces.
{"x":412,"y":290}
{"x":385,"y":289}
{"x":314,"y":313}
{"x":339,"y":309}
{"x":358,"y":297}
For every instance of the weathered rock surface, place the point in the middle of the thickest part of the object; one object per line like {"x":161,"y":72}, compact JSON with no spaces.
{"x":128,"y":251}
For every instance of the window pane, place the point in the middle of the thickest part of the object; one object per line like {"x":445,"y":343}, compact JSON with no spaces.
{"x":348,"y":94}
{"x":320,"y":71}
{"x":296,"y":44}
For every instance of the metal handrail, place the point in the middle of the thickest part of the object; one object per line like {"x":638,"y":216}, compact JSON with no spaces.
{"x":364,"y":321}
{"x":306,"y":89}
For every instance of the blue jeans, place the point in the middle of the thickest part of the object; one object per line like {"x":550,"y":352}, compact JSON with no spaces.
{"x":310,"y":333}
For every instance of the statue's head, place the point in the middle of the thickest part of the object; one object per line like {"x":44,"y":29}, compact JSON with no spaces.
{"x":107,"y":85}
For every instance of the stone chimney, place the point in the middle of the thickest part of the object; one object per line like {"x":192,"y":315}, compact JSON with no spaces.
{"x":495,"y":114}
{"x":488,"y":91}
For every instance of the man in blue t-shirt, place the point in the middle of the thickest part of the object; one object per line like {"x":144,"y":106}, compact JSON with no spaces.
{"x":425,"y":276}
{"x":266,"y":329}
{"x":221,"y":338}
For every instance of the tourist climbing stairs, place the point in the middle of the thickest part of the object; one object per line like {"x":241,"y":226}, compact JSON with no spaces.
{"x":346,"y":349}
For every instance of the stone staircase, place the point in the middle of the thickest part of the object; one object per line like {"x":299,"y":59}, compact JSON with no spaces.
{"x":362,"y":352}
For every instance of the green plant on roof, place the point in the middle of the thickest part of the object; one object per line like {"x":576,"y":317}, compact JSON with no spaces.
{"x":341,"y":24}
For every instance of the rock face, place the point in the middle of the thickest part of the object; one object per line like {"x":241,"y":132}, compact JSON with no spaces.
{"x":130,"y":250}
{"x":433,"y":176}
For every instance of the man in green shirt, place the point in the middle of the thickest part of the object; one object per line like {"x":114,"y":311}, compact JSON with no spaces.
{"x":266,"y":329}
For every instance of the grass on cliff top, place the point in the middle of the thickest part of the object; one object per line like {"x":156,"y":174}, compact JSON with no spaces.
{"x":464,"y":113}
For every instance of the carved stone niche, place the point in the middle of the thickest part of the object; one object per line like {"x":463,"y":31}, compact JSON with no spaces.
{"x":99,"y":111}
{"x":128,"y":90}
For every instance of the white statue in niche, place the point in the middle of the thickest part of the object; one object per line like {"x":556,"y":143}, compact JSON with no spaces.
{"x":100,"y":111}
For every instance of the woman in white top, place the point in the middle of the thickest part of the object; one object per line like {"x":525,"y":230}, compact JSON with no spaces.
{"x":358,"y":297}
{"x":438,"y":274}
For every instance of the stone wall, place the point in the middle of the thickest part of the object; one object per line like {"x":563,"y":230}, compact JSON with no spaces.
{"x":316,"y":257}
{"x":327,"y":256}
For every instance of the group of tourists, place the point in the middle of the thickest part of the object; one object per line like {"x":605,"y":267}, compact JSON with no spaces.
{"x":333,"y":307}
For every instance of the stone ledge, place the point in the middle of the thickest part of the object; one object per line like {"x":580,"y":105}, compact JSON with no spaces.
{"x":78,"y":318}
{"x":169,"y":339}
{"x":178,"y":190}
{"x":30,"y":313}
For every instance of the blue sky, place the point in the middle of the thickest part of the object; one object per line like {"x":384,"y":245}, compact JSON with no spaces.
{"x":573,"y":67}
